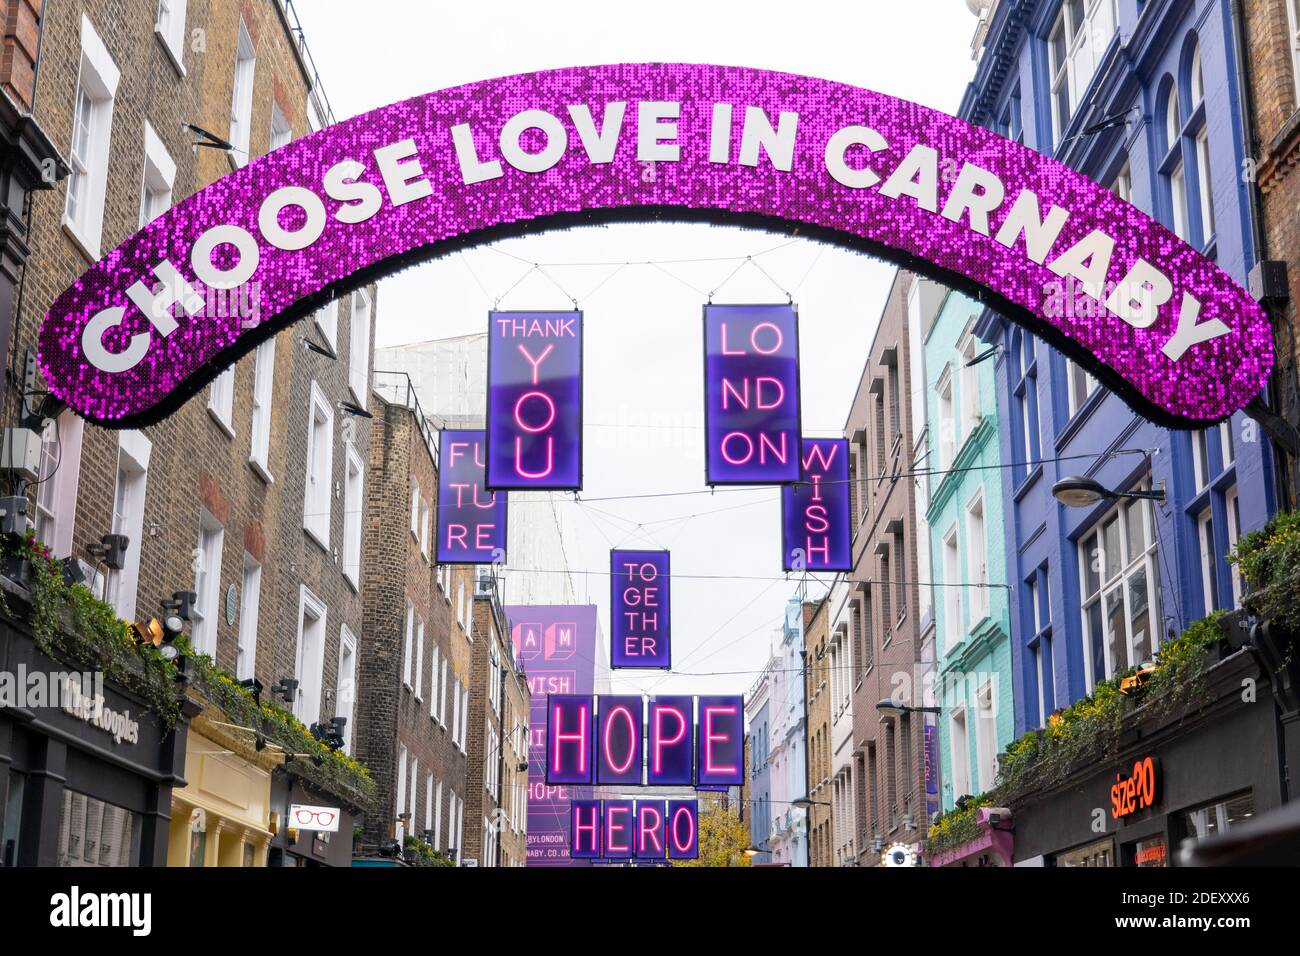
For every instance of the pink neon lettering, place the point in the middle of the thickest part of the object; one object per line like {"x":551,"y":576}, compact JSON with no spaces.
{"x":456,"y":535}
{"x":679,"y":844}
{"x":710,"y":737}
{"x":579,"y":828}
{"x":819,"y":453}
{"x":519,"y":456}
{"x":651,"y":831}
{"x":758,"y":392}
{"x":753,"y":338}
{"x":536,"y":362}
{"x":611,"y":827}
{"x":765,"y":443}
{"x":519,"y":415}
{"x":456,"y":450}
{"x":815,"y":518}
{"x":725,"y":350}
{"x":749,"y":448}
{"x":632,"y":729}
{"x":660,"y":740}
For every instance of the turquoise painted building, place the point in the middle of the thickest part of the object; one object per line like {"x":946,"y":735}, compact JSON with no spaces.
{"x":963,"y":519}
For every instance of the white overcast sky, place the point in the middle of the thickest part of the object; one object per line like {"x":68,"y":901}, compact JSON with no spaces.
{"x":643,"y":391}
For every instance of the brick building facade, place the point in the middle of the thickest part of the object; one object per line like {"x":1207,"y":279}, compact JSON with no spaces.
{"x":889,"y":753}
{"x":250,"y":494}
{"x":412,"y":684}
{"x":817,"y":693}
{"x":496,"y":827}
{"x":1271,"y":59}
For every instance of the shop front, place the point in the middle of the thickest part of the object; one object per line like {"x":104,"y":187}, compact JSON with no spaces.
{"x":1171,"y":781}
{"x":86,"y":768}
{"x":311,"y":827}
{"x":222,"y":816}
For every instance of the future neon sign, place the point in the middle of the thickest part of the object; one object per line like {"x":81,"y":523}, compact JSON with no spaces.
{"x":640,"y":609}
{"x":634,"y":829}
{"x":751,"y":394}
{"x":471,"y":520}
{"x":133,"y":337}
{"x":616,"y":741}
{"x":534,"y":401}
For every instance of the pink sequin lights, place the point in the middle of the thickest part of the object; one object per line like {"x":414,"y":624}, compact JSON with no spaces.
{"x":1190,"y":347}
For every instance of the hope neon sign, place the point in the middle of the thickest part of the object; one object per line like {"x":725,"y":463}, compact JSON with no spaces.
{"x":1171,"y":331}
{"x":534,"y":401}
{"x":816,"y":519}
{"x":634,"y":829}
{"x":751,"y":394}
{"x":640,"y":609}
{"x":615,"y":740}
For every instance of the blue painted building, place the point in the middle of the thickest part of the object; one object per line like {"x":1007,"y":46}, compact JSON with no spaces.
{"x":760,"y":786}
{"x":963,"y":516}
{"x":1140,"y":95}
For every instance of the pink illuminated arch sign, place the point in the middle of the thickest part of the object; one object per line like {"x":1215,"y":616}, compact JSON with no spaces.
{"x":150,"y":324}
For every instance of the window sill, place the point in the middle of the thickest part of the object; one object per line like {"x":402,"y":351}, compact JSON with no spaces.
{"x":88,"y":249}
{"x":261,"y":470}
{"x":353,"y":582}
{"x":225,"y":425}
{"x":172,"y":55}
{"x":322,"y":543}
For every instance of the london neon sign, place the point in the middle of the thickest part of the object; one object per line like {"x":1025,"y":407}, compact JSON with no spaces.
{"x":1171,"y":331}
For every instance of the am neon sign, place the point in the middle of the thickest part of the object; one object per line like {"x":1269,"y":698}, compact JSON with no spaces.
{"x":1168,"y":329}
{"x":675,"y":741}
{"x":634,"y":829}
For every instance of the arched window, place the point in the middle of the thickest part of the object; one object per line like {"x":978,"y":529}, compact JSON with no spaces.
{"x":1186,"y":167}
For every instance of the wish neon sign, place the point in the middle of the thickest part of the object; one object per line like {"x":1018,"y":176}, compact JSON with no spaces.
{"x":1172,"y":332}
{"x":816,"y":513}
{"x":634,"y":829}
{"x":534,"y":400}
{"x":676,"y":741}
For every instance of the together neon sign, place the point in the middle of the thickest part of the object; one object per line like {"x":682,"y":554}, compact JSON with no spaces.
{"x":640,"y":609}
{"x":1170,"y":330}
{"x":676,"y":741}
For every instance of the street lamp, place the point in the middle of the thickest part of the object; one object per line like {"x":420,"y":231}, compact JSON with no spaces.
{"x":752,"y":851}
{"x":807,"y":802}
{"x":893,"y":708}
{"x":1079,"y":492}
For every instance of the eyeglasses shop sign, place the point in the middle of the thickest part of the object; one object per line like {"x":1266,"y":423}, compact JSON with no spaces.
{"x":303,"y":817}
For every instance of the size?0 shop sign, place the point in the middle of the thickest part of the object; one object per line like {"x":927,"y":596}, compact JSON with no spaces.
{"x":634,"y":829}
{"x":1136,"y":792}
{"x":534,"y":401}
{"x":751,"y":394}
{"x":617,"y":740}
{"x":640,"y":626}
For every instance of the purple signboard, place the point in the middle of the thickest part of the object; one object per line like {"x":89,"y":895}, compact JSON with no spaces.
{"x":618,"y":732}
{"x":720,"y":741}
{"x":557,"y":645}
{"x":620,"y":829}
{"x":751,"y":394}
{"x":816,"y":518}
{"x":651,"y":829}
{"x":149,"y":325}
{"x":570,"y":738}
{"x":670,"y":756}
{"x":640,"y":612}
{"x":534,"y":400}
{"x":683,"y":830}
{"x":471,"y":519}
{"x":585,"y":825}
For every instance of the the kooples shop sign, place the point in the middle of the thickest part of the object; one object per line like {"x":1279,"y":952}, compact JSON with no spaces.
{"x":634,"y":829}
{"x":138,"y":333}
{"x":674,"y":741}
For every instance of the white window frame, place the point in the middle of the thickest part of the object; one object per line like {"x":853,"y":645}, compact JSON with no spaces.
{"x":318,"y":499}
{"x":250,"y":601}
{"x":959,"y":748}
{"x":455,"y":713}
{"x":1293,"y":37}
{"x":419,"y":659}
{"x":986,"y":734}
{"x":970,"y":395}
{"x":92,"y":111}
{"x":416,"y":505}
{"x":345,"y":684}
{"x":281,"y":131}
{"x":1041,"y":676}
{"x":1147,"y":561}
{"x":207,"y":584}
{"x":169,"y":26}
{"x":952,"y":602}
{"x":359,"y":346}
{"x":408,"y":659}
{"x":354,"y":503}
{"x":326,"y":319}
{"x":157,"y":177}
{"x":977,"y":556}
{"x":401,"y":791}
{"x":464,"y":718}
{"x":947,"y":418}
{"x":309,"y":661}
{"x":56,"y":492}
{"x":259,"y":453}
{"x":241,"y":96}
{"x":1209,"y":561}
{"x":1204,"y":185}
{"x":1074,"y":400}
{"x":435,"y":677}
{"x":129,"y":497}
{"x":1232,"y":509}
{"x":1085,"y":42}
{"x":221,"y":401}
{"x":437,"y":817}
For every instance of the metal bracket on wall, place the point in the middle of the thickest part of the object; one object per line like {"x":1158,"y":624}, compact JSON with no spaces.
{"x":1275,"y":426}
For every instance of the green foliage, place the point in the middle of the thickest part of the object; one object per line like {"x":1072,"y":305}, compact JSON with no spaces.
{"x":958,"y":826}
{"x":419,"y":853}
{"x":70,"y":624}
{"x":723,"y":839}
{"x":1269,"y":561}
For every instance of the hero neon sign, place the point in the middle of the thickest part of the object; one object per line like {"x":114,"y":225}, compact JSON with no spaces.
{"x":1171,"y":331}
{"x":676,"y":741}
{"x":634,"y":829}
